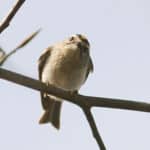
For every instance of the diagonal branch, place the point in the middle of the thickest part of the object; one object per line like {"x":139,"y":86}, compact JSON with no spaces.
{"x":2,"y":55}
{"x":21,"y":45}
{"x":11,"y":14}
{"x":85,"y":102}
{"x":117,"y":103}
{"x":92,"y":124}
{"x":76,"y":99}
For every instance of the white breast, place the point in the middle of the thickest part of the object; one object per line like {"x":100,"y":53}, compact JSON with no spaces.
{"x":65,"y":70}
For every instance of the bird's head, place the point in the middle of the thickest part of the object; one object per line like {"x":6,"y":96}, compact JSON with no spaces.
{"x":79,"y":42}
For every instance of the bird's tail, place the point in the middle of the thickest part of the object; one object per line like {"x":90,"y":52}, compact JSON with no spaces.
{"x":52,"y":114}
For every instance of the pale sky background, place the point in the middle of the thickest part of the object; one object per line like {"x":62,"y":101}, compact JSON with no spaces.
{"x":119,"y":33}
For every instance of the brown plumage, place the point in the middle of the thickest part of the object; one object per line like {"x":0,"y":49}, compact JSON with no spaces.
{"x":65,"y":65}
{"x":52,"y":108}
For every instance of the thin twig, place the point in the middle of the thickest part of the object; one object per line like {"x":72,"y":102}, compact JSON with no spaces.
{"x":94,"y":129}
{"x":21,"y":45}
{"x":5,"y":23}
{"x":2,"y":54}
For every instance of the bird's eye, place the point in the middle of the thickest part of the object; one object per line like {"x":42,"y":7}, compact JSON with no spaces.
{"x":71,"y":39}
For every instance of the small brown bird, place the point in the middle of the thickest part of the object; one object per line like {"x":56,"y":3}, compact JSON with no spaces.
{"x":65,"y":65}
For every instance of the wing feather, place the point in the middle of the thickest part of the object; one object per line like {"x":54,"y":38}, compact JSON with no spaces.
{"x":41,"y":63}
{"x":90,"y":68}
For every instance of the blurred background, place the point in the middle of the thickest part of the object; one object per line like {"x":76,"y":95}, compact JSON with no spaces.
{"x":119,"y":33}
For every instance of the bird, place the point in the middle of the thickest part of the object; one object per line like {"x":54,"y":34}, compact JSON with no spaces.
{"x":65,"y":65}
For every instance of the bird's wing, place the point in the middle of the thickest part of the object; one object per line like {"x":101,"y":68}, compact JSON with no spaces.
{"x":41,"y":63}
{"x":90,"y":68}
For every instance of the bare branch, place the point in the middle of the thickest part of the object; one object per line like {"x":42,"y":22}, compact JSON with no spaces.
{"x":2,"y":54}
{"x":118,"y":103}
{"x":85,"y":102}
{"x":28,"y":39}
{"x":76,"y":99}
{"x":21,"y":45}
{"x":5,"y":23}
{"x":92,"y":124}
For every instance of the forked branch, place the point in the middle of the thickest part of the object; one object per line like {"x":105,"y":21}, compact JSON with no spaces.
{"x":85,"y":102}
